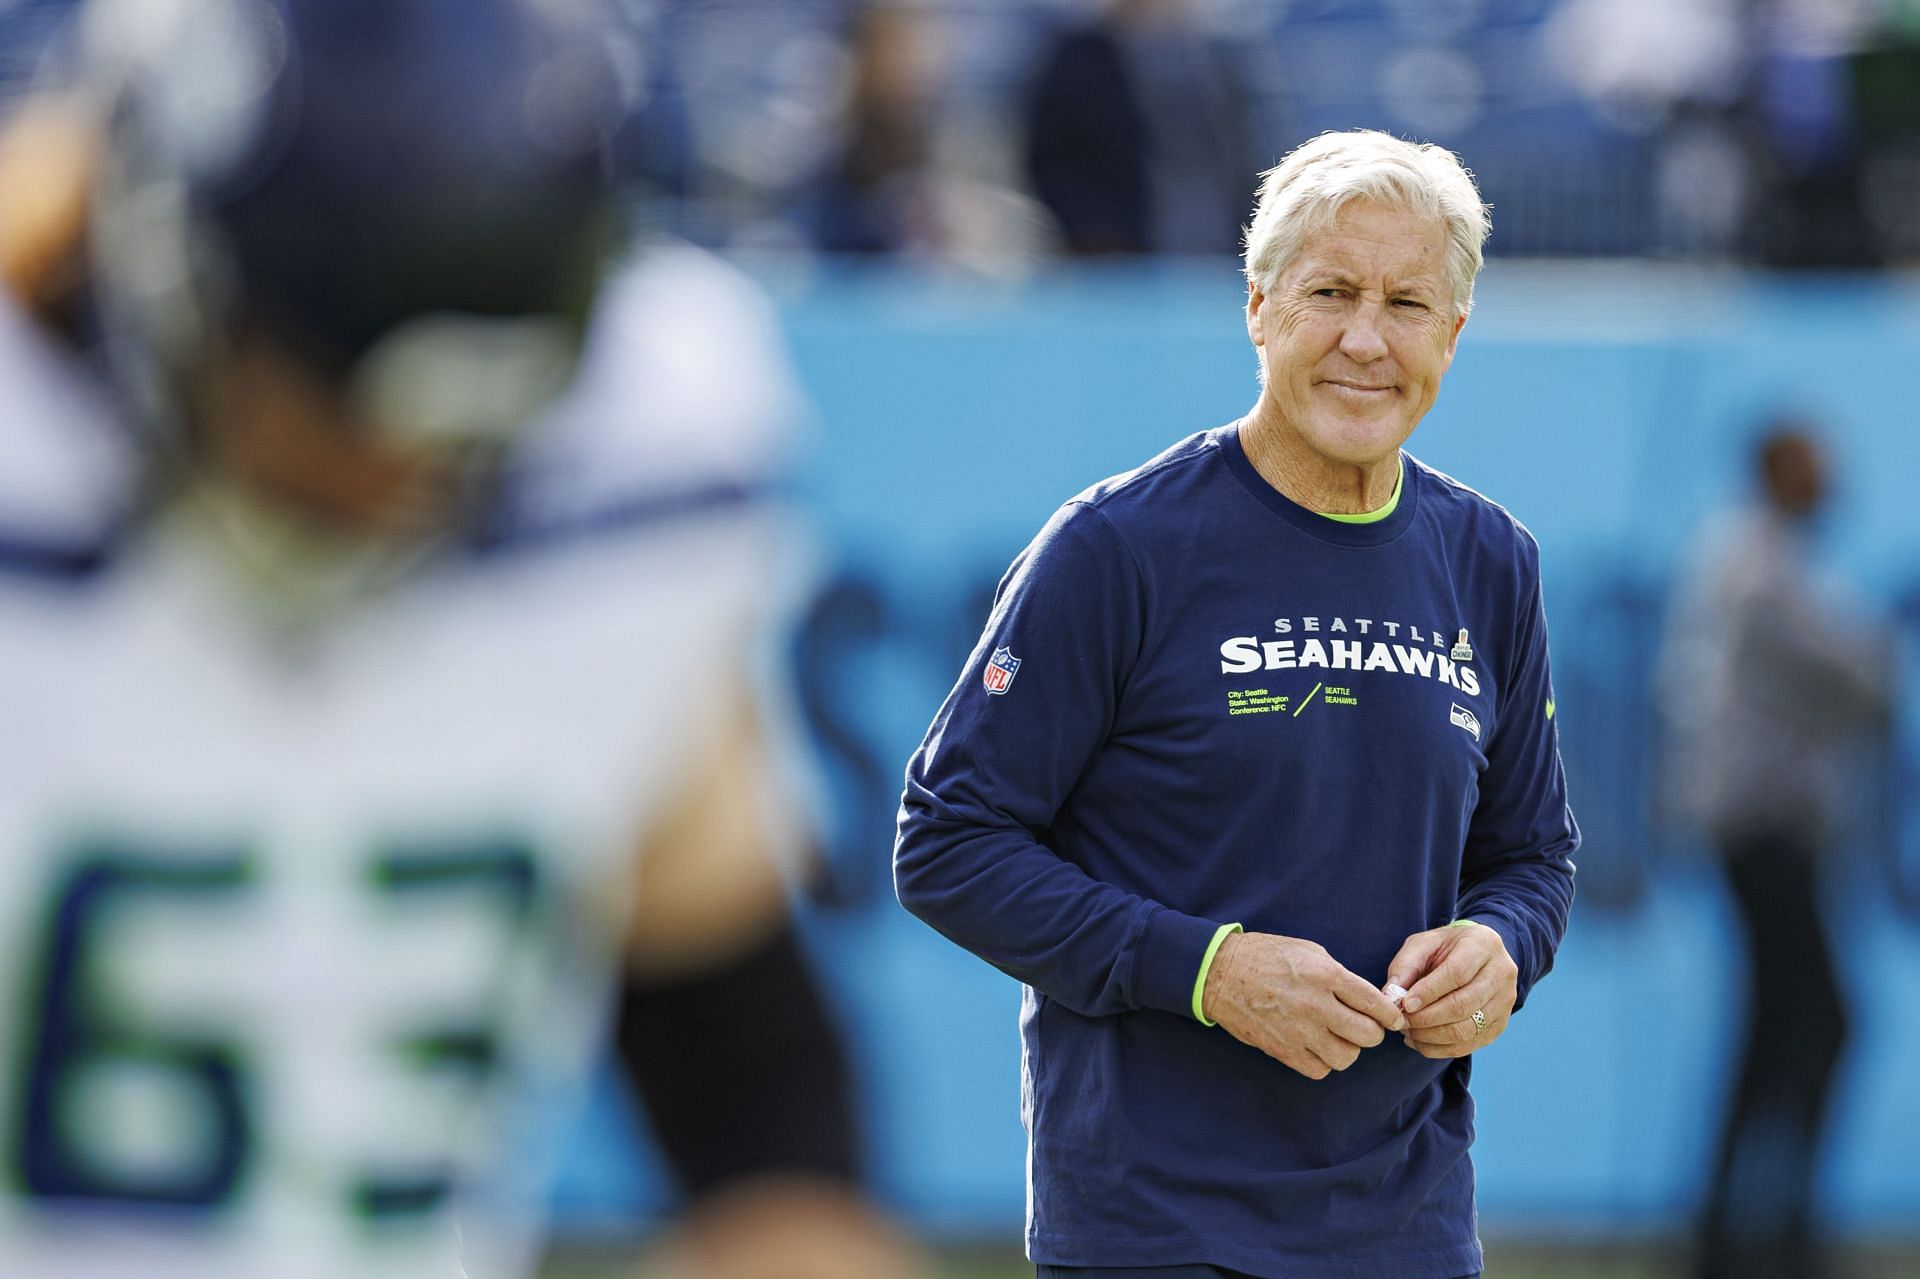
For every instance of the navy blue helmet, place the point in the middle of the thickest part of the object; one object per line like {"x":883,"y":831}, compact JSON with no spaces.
{"x":330,"y":169}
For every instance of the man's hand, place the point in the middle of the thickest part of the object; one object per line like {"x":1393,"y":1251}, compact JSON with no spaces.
{"x":1450,"y":973}
{"x":1288,"y":998}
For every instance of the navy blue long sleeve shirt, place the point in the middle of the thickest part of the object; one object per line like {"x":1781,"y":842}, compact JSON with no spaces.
{"x":1195,"y":703}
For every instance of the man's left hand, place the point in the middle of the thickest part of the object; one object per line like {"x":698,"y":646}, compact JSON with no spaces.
{"x":1449,"y":974}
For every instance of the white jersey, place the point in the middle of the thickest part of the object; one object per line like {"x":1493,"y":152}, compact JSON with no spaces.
{"x":288,"y":936}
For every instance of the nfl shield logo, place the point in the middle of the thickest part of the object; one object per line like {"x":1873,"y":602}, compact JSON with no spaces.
{"x":1001,"y":668}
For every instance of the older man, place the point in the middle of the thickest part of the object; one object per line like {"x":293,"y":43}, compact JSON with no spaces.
{"x":1260,"y":735}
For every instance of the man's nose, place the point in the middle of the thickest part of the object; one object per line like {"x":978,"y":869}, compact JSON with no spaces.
{"x":1362,"y":341}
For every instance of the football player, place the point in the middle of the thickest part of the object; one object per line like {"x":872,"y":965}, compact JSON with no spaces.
{"x":407,"y":584}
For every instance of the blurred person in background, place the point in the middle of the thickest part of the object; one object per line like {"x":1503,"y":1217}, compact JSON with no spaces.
{"x":1254,"y":766}
{"x":401,"y":585}
{"x":877,"y":194}
{"x":1789,"y":132}
{"x":906,"y":175}
{"x":1771,"y":684}
{"x":1138,"y":133}
{"x":1800,"y":110}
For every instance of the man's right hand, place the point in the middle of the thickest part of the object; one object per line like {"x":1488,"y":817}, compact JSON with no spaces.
{"x":1289,"y":998}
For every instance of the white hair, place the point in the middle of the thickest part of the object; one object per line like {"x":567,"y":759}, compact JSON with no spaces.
{"x":1303,"y":194}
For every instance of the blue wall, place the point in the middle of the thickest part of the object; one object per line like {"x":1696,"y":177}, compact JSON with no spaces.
{"x":1608,"y":407}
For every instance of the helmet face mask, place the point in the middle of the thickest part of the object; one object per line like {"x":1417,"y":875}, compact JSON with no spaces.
{"x":463,"y":381}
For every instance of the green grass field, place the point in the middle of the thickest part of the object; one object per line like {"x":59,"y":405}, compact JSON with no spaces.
{"x":1504,"y":1261}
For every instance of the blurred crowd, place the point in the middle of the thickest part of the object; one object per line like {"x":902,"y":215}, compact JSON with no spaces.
{"x":990,"y":134}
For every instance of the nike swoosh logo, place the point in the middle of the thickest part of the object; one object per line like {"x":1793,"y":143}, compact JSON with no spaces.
{"x":1549,"y":708}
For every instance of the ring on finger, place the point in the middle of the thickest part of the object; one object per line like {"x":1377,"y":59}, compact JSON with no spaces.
{"x":1479,"y":1022}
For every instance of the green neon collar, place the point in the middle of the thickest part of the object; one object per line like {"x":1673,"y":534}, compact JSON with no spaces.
{"x":1373,"y":517}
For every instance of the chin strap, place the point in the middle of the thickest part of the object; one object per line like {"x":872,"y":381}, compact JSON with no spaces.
{"x":296,"y":575}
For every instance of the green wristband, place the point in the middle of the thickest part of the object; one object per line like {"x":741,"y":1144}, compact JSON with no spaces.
{"x":1206,"y":966}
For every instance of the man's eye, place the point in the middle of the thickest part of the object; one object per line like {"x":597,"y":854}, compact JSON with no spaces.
{"x":1415,"y":303}
{"x":1329,"y":292}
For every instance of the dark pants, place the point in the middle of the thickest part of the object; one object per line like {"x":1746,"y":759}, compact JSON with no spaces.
{"x":1145,"y":1272}
{"x":1759,"y":1218}
{"x":1136,"y":1272}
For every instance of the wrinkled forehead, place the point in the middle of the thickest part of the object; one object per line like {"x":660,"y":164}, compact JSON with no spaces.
{"x":1376,"y":244}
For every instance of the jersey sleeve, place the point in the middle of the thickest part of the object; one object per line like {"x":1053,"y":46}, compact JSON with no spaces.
{"x":972,"y":858}
{"x":1517,"y":872}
